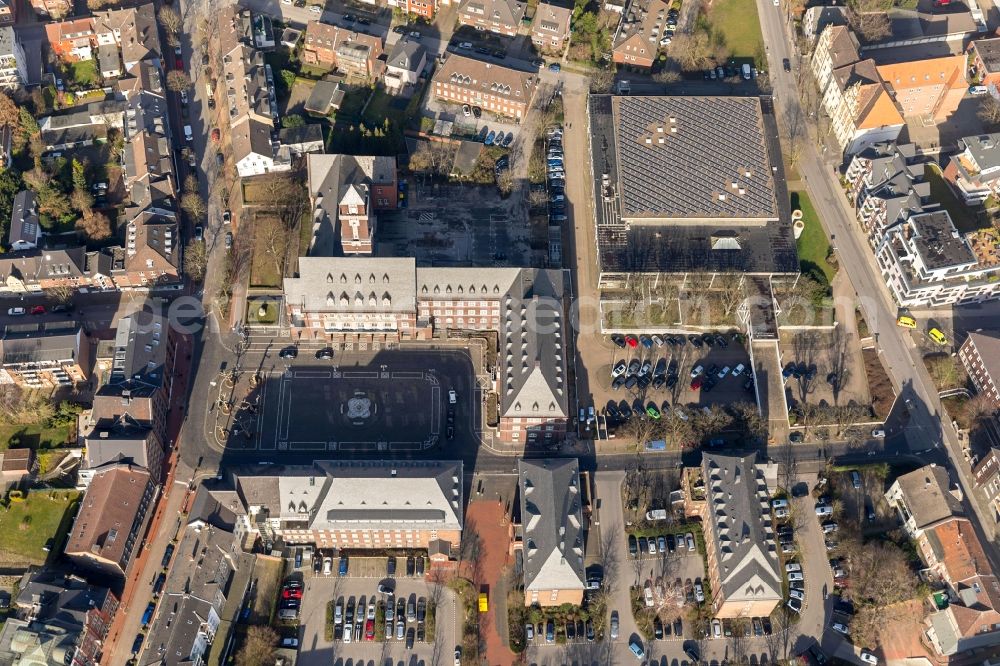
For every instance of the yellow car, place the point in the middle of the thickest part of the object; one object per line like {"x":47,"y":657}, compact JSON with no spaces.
{"x":484,"y":604}
{"x":937,"y":336}
{"x":906,"y":321}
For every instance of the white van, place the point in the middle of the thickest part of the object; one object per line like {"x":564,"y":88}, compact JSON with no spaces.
{"x":188,"y":135}
{"x":746,"y":71}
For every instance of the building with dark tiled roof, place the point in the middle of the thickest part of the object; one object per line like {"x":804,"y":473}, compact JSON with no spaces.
{"x":743,"y":568}
{"x":120,"y":442}
{"x":641,"y":33}
{"x":203,"y":592}
{"x":62,"y":617}
{"x":25,"y":229}
{"x":552,"y":531}
{"x":45,"y":355}
{"x":500,"y":16}
{"x":137,"y":387}
{"x":405,"y":64}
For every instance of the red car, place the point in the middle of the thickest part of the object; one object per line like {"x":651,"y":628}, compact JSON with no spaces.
{"x":370,"y":630}
{"x":291,"y":593}
{"x":632,"y":341}
{"x":180,"y":63}
{"x":696,"y":383}
{"x":38,"y":309}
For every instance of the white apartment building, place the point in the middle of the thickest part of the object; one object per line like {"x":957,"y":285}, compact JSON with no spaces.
{"x":13,"y":72}
{"x":925,"y":261}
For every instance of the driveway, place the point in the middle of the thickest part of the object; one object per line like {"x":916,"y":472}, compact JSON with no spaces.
{"x":611,"y":536}
{"x":815,"y":567}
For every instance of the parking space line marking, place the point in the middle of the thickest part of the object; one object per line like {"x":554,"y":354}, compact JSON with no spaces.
{"x":435,"y":410}
{"x":308,"y":446}
{"x":286,"y":409}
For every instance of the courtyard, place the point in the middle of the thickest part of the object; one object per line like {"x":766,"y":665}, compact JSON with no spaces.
{"x":476,"y":228}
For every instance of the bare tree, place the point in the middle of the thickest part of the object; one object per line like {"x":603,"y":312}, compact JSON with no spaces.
{"x":869,"y":18}
{"x":946,"y":371}
{"x":60,"y":294}
{"x":170,"y":20}
{"x":979,"y":408}
{"x":731,"y":292}
{"x":193,"y":205}
{"x":258,"y":647}
{"x":838,"y":357}
{"x":178,"y":81}
{"x":738,"y":642}
{"x":779,"y":639}
{"x":274,"y":240}
{"x":641,"y":430}
{"x":989,"y":112}
{"x":754,"y":424}
{"x":94,"y":225}
{"x":610,"y":537}
{"x":693,"y":50}
{"x":195,"y":260}
{"x":433,"y":157}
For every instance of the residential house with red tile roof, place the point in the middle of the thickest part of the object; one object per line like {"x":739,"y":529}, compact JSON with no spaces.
{"x":492,"y":87}
{"x":972,"y":618}
{"x":353,"y":53}
{"x":928,"y":88}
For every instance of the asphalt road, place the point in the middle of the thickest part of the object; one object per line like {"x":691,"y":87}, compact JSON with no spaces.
{"x":927,"y":429}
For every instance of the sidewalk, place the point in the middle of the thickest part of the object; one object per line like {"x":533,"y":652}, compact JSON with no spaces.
{"x":161,"y":529}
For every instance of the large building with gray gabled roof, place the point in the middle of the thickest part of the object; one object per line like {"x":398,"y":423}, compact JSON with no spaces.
{"x":743,"y":567}
{"x":552,"y":531}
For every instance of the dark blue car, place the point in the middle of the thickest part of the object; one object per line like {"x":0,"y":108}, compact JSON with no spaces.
{"x":137,"y":643}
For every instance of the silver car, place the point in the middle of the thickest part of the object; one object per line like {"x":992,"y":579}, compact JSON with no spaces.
{"x":400,"y":629}
{"x":614,"y":625}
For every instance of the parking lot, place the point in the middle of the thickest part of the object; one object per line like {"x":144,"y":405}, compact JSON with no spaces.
{"x":663,"y":375}
{"x":361,"y":594}
{"x":393,"y":401}
{"x":824,"y":368}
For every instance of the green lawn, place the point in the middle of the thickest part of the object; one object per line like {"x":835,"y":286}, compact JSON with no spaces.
{"x":964,"y":218}
{"x":28,"y":524}
{"x":263,"y":271}
{"x":737,"y":21}
{"x":84,"y":73}
{"x":813,"y":246}
{"x":35,"y":436}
